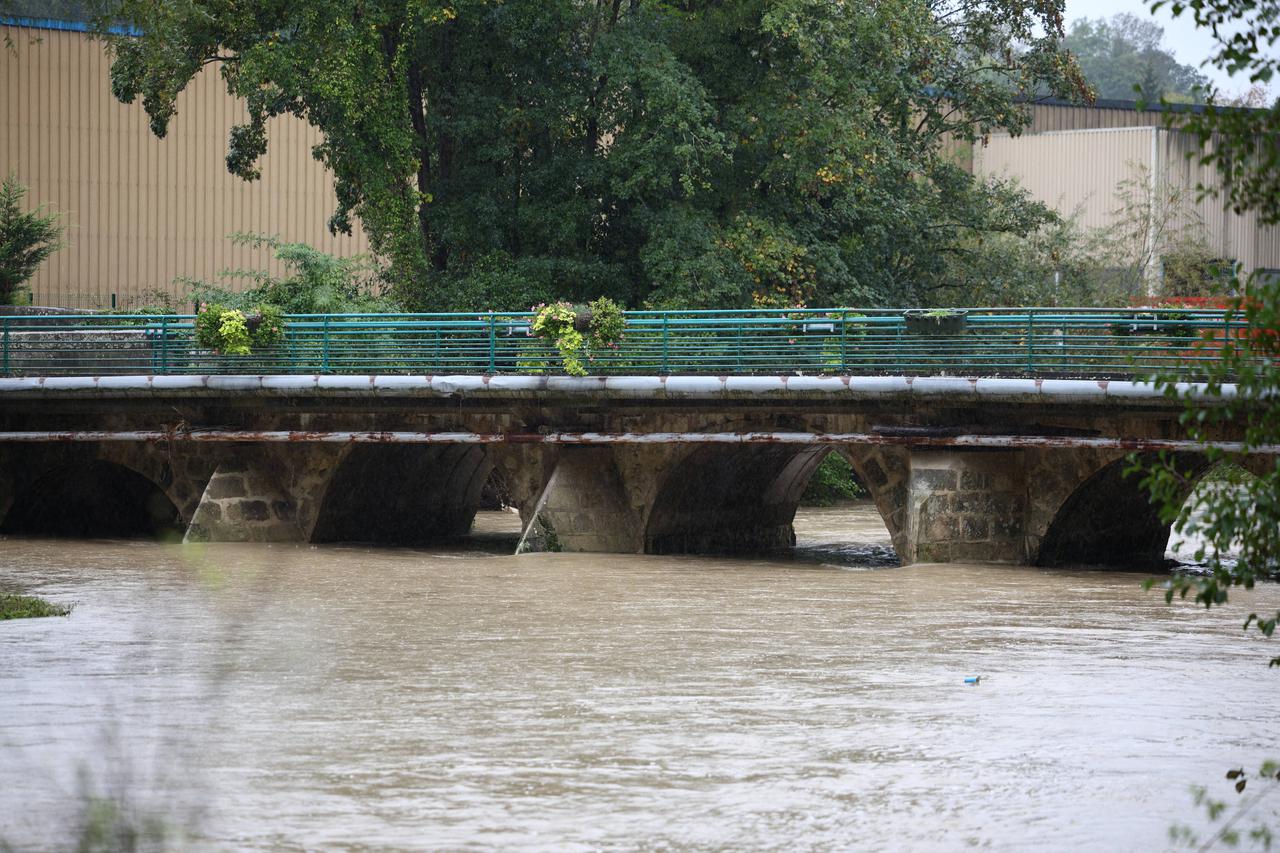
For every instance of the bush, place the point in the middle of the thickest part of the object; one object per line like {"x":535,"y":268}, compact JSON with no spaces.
{"x":317,"y":283}
{"x":26,"y":239}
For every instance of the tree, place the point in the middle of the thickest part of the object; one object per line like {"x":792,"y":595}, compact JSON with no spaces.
{"x":1247,"y":520}
{"x":1241,"y":517}
{"x":1125,"y":55}
{"x":26,"y":239}
{"x":691,"y":152}
{"x":1243,"y":145}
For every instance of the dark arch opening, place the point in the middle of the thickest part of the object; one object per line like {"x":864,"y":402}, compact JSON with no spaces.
{"x":403,"y":494}
{"x":1110,"y":520}
{"x":731,"y":498}
{"x":93,"y":500}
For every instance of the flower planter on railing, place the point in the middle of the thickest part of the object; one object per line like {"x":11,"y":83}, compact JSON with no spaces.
{"x":921,"y":321}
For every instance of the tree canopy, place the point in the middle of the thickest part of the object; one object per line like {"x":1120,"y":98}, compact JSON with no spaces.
{"x":1124,"y":57}
{"x":693,"y":152}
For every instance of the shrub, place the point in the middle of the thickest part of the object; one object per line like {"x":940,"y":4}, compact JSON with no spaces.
{"x":26,"y":239}
{"x":316,"y":283}
{"x":607,"y":323}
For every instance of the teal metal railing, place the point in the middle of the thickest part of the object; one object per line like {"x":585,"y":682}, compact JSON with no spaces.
{"x":1065,"y":342}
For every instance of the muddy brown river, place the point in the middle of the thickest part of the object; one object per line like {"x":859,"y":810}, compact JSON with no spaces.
{"x":348,"y":698}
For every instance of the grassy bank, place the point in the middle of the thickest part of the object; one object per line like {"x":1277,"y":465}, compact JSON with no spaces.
{"x":28,"y":607}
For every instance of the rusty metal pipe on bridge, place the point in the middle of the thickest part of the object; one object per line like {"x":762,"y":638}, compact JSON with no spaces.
{"x":607,"y":438}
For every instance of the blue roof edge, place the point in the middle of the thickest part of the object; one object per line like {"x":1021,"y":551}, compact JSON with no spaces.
{"x":66,"y":26}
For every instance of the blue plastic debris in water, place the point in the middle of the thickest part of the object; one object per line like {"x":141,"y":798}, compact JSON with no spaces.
{"x":972,"y":679}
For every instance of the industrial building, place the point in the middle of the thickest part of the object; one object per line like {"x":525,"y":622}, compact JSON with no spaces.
{"x":144,"y":213}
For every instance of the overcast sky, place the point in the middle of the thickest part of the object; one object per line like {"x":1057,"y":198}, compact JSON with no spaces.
{"x":1190,"y":45}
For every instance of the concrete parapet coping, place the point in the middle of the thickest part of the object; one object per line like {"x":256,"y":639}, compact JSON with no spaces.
{"x":988,"y":389}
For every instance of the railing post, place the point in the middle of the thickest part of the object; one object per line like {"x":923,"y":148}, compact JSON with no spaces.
{"x":324,"y":346}
{"x":665,"y":335}
{"x":1031,"y":341}
{"x":844,"y":342}
{"x":164,"y":345}
{"x":737,"y":345}
{"x":6,"y":346}
{"x":493,"y":345}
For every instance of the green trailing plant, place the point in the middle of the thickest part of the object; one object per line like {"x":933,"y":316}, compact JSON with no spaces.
{"x":26,"y":239}
{"x":229,"y":331}
{"x":577,"y":333}
{"x":557,"y":323}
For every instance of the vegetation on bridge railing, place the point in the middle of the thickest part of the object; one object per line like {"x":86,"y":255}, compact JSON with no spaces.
{"x":993,"y":342}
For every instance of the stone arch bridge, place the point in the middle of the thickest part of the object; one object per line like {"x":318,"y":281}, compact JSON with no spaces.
{"x":1011,"y":470}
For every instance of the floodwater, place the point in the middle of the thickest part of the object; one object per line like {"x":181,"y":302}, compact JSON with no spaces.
{"x":347,"y":698}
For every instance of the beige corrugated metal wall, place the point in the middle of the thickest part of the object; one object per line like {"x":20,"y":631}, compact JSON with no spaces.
{"x":143,"y":211}
{"x":1080,"y":172}
{"x":1236,"y":236}
{"x":1075,"y":173}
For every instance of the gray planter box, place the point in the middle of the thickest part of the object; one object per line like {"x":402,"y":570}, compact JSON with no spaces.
{"x":921,"y":321}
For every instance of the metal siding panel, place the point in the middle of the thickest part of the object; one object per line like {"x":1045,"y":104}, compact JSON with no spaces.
{"x":1075,"y":173}
{"x":143,"y":211}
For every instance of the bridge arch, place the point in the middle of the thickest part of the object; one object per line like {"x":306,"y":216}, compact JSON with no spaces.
{"x":1108,"y":517}
{"x":727,"y":497}
{"x":402,"y":494}
{"x":89,"y":498}
{"x":730,"y":497}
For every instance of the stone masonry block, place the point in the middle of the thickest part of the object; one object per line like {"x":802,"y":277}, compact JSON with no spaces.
{"x":876,"y":474}
{"x":934,"y":479}
{"x":933,"y":552}
{"x":943,"y":528}
{"x":1006,"y":527}
{"x":935,"y":506}
{"x":987,"y":552}
{"x":975,"y":528}
{"x":226,"y":487}
{"x":975,"y":502}
{"x":255,"y":511}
